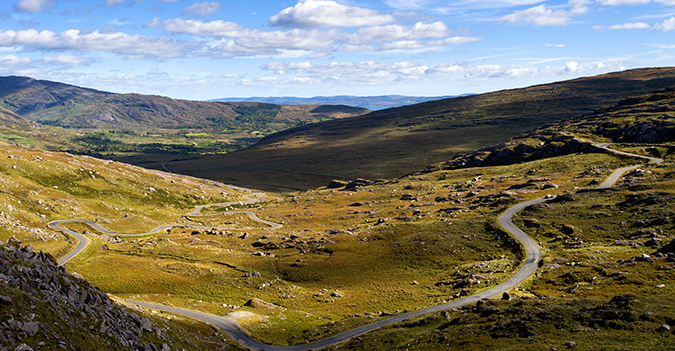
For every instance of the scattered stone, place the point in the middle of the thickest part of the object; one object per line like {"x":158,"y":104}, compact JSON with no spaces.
{"x":146,"y":324}
{"x":550,"y":186}
{"x":23,"y":347}
{"x":570,"y":344}
{"x":506,"y":296}
{"x":252,"y":275}
{"x":567,"y":229}
{"x":30,"y":328}
{"x":445,"y":315}
{"x":665,"y":327}
{"x":5,"y":300}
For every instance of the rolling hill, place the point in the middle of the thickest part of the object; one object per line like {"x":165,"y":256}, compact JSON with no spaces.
{"x":369,"y":102}
{"x":393,"y":142}
{"x":64,"y":105}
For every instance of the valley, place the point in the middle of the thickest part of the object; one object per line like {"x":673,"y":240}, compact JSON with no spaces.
{"x":578,"y":235}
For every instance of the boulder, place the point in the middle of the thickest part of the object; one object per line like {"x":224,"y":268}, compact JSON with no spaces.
{"x":30,"y":328}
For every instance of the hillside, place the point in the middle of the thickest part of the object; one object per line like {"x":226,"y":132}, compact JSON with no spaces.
{"x":368,"y":102}
{"x":324,"y":261}
{"x":69,"y":106}
{"x":394,"y":142}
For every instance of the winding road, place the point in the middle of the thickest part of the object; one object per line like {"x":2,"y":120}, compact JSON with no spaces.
{"x":83,"y":241}
{"x":534,"y":255}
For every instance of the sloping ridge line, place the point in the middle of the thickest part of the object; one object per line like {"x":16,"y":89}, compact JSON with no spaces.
{"x":534,"y":255}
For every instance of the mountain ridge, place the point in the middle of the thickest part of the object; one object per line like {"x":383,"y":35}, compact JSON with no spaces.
{"x":392,"y":142}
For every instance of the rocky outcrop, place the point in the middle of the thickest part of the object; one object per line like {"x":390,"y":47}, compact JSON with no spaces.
{"x":45,"y":307}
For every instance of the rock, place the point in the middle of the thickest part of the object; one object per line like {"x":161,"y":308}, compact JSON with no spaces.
{"x":165,"y":347}
{"x":23,"y":347}
{"x":146,"y":324}
{"x":665,"y":327}
{"x":506,"y":296}
{"x":356,"y":204}
{"x":252,"y":275}
{"x":669,"y":248}
{"x":445,"y":315}
{"x":5,"y":300}
{"x":408,"y":197}
{"x":567,"y":229}
{"x":570,"y":344}
{"x":30,"y":328}
{"x":550,"y":186}
{"x":335,"y":184}
{"x":335,"y":294}
{"x":357,"y":184}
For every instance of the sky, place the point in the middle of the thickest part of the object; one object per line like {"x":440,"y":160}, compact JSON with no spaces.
{"x":202,"y":50}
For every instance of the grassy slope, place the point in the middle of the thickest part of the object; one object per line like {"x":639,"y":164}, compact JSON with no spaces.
{"x":74,"y":107}
{"x":393,"y":142}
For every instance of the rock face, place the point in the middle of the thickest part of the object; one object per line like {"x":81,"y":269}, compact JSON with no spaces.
{"x":42,"y":306}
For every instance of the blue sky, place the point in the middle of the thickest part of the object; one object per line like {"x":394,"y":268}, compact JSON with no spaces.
{"x":210,"y":49}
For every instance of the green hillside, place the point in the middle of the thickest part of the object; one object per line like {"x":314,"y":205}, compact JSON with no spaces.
{"x":58,"y":104}
{"x":394,"y":142}
{"x":353,"y":253}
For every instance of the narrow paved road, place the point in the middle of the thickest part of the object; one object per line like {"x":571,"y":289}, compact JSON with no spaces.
{"x":84,"y":241}
{"x":528,"y":268}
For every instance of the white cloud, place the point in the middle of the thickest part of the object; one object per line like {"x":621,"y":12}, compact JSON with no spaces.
{"x":637,"y":25}
{"x":197,"y":27}
{"x":324,"y":14}
{"x":203,"y":9}
{"x":407,"y":4}
{"x":571,"y":66}
{"x":623,"y":2}
{"x":13,"y":60}
{"x":663,"y":46}
{"x":455,"y":41}
{"x":132,"y":46}
{"x":33,"y":6}
{"x":542,"y":15}
{"x":418,"y":31}
{"x":67,"y":60}
{"x":666,"y":26}
{"x":113,"y":2}
{"x":237,"y":41}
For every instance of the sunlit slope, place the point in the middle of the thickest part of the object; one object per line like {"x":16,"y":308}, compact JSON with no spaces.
{"x":37,"y":187}
{"x":393,"y":142}
{"x":70,"y":106}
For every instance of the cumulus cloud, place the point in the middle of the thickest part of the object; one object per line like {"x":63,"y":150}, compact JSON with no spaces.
{"x":374,"y":73}
{"x":235,"y":40}
{"x":134,"y":46}
{"x":13,"y":60}
{"x":203,"y":9}
{"x":637,"y":25}
{"x":33,"y":6}
{"x":418,"y":31}
{"x":666,"y":26}
{"x":324,"y":14}
{"x":542,"y":15}
{"x":67,"y":60}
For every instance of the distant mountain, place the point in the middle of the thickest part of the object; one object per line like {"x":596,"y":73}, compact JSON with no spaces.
{"x":368,"y":102}
{"x":64,"y":105}
{"x":394,"y":142}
